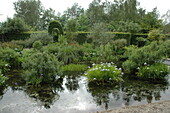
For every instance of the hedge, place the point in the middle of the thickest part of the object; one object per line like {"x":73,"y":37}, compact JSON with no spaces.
{"x":81,"y":36}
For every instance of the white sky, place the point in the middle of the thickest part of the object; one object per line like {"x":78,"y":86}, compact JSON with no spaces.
{"x":7,"y":8}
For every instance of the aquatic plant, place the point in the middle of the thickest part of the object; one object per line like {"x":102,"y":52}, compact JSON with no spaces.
{"x":104,"y":72}
{"x":153,"y":72}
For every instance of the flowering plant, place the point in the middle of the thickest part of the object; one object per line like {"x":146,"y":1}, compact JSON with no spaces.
{"x":104,"y":72}
{"x":154,"y":72}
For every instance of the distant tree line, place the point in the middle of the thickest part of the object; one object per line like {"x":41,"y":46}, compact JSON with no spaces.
{"x":117,"y":16}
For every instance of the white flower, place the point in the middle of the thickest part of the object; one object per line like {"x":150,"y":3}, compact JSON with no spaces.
{"x":138,"y":68}
{"x":110,"y":78}
{"x":114,"y":71}
{"x":147,"y":67}
{"x":145,"y":63}
{"x":93,"y":64}
{"x":94,"y":78}
{"x":161,"y":71}
{"x":122,"y":73}
{"x":6,"y":65}
{"x":112,"y":63}
{"x":120,"y":69}
{"x":88,"y":67}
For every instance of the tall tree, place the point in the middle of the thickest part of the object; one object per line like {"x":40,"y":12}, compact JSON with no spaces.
{"x":74,"y":12}
{"x":29,"y":10}
{"x":95,"y":12}
{"x":47,"y":16}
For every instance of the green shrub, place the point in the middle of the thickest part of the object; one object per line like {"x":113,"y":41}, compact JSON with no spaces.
{"x":2,"y":79}
{"x":10,"y":56}
{"x":99,"y":35}
{"x":129,"y":66}
{"x":4,"y":66}
{"x":68,"y":53}
{"x":55,"y":29}
{"x":41,"y":68}
{"x":150,"y":54}
{"x":155,"y":35}
{"x":11,"y":45}
{"x":74,"y":67}
{"x":104,"y":72}
{"x":154,"y":72}
{"x":43,"y":37}
{"x":37,"y":45}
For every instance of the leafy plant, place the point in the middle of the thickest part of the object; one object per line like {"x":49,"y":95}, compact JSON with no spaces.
{"x":99,"y":34}
{"x":150,"y":55}
{"x":41,"y":67}
{"x":74,"y":67}
{"x":2,"y":79}
{"x":55,"y":29}
{"x":155,"y":35}
{"x":68,"y":53}
{"x":37,"y":45}
{"x":10,"y":56}
{"x":104,"y":72}
{"x":154,"y":72}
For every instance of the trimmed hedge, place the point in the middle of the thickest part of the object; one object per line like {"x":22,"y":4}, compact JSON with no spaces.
{"x":81,"y":37}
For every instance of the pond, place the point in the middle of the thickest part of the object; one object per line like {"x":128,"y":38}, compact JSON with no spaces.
{"x":73,"y":94}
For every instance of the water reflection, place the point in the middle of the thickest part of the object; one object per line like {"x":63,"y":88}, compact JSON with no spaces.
{"x":128,"y":92}
{"x":72,"y":80}
{"x":73,"y":92}
{"x":141,"y":90}
{"x":101,"y":93}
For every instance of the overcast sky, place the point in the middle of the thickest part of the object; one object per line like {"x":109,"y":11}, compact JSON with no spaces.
{"x":7,"y":8}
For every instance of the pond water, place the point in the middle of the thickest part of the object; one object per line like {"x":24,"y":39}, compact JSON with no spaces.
{"x":73,"y":94}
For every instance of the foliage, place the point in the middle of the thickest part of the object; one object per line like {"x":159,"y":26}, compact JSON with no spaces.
{"x":54,"y":24}
{"x":122,"y":26}
{"x":151,"y":21}
{"x":119,"y":45}
{"x":2,"y":79}
{"x":10,"y":57}
{"x":74,"y":12}
{"x":55,"y":29}
{"x":155,"y":35}
{"x":13,"y":26}
{"x":99,"y":35}
{"x":11,"y":45}
{"x":105,"y":53}
{"x":153,"y":72}
{"x":47,"y":16}
{"x":4,"y":66}
{"x":37,"y":45}
{"x":104,"y":72}
{"x":150,"y":54}
{"x":68,"y":53}
{"x":83,"y":23}
{"x":40,"y":67}
{"x":43,"y":37}
{"x":74,"y":67}
{"x":71,"y":28}
{"x":29,"y":10}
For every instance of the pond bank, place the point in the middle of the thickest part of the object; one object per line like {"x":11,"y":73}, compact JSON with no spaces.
{"x":158,"y":107}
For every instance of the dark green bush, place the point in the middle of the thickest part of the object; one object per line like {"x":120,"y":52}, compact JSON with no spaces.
{"x":37,"y":45}
{"x":10,"y":56}
{"x":41,"y":67}
{"x":55,"y":30}
{"x":150,"y":55}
